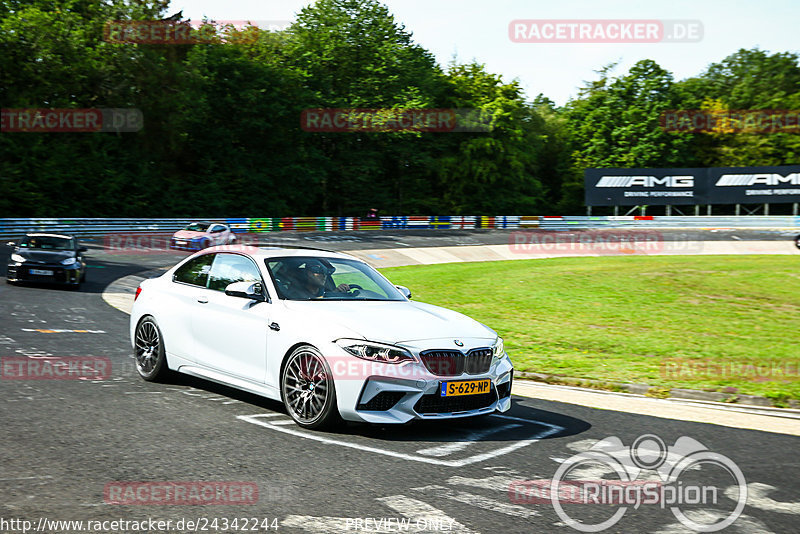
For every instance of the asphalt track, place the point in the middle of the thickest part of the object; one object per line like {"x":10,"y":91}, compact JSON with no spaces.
{"x":63,"y":441}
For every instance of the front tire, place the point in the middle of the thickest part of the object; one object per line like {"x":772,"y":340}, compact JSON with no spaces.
{"x":149,"y":354}
{"x":308,"y":390}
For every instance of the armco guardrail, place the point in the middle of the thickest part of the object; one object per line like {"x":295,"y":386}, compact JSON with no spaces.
{"x":655,"y":221}
{"x":84,"y":227}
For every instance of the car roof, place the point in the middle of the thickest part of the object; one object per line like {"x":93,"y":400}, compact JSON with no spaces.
{"x":64,"y":236}
{"x":263,"y":252}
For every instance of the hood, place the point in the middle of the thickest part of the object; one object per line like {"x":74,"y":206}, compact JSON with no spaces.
{"x":188,"y":234}
{"x":391,"y":321}
{"x":45,"y":256}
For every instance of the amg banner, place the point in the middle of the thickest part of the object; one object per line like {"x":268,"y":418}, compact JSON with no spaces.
{"x":754,"y":185}
{"x":716,"y":185}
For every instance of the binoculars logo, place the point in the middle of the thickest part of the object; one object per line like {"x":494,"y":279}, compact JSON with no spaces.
{"x":648,"y":453}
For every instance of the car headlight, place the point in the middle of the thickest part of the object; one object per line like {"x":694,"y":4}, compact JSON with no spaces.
{"x":498,"y":350}
{"x":375,"y":352}
{"x":17,"y":258}
{"x":68,"y":261}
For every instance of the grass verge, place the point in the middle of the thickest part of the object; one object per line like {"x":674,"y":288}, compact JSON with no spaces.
{"x":717,"y":323}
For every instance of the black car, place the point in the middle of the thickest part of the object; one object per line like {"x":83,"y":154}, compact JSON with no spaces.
{"x":54,"y":258}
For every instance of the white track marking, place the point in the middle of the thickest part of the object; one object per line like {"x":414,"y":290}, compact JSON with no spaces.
{"x":757,"y":498}
{"x":743,"y":525}
{"x":417,"y":517}
{"x":547,"y":431}
{"x":471,"y":437}
{"x":495,"y":483}
{"x":24,"y":478}
{"x":479,"y":501}
{"x":283,"y":422}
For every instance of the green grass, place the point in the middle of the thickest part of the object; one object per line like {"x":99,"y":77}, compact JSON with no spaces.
{"x":635,"y":319}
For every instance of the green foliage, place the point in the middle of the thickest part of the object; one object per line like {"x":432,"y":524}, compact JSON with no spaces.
{"x":222,"y":133}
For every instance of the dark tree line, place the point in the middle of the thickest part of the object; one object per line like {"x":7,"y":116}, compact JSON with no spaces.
{"x":222,"y":134}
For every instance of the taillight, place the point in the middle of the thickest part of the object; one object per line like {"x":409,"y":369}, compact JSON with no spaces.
{"x":138,"y":290}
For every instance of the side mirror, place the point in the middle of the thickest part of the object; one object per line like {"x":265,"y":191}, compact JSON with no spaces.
{"x":11,"y":244}
{"x":82,"y":249}
{"x":246,"y":290}
{"x":405,"y":291}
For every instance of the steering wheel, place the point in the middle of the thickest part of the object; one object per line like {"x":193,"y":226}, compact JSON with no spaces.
{"x":355,"y":288}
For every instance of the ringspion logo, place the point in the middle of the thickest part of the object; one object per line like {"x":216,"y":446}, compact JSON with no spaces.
{"x":648,"y":473}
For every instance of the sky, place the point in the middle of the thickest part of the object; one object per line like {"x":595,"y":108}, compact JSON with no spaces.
{"x":479,"y":30}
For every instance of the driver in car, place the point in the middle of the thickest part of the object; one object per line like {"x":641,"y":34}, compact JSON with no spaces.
{"x":310,"y":282}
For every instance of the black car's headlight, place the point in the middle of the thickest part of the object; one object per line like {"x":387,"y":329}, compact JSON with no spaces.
{"x":68,"y":261}
{"x":375,"y":352}
{"x":17,"y":258}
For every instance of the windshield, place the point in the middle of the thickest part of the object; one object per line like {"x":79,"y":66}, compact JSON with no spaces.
{"x":197,"y":227}
{"x":315,"y":278}
{"x":47,"y":242}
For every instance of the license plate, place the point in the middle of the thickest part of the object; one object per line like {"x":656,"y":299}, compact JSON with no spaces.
{"x":41,"y":272}
{"x":465,"y":387}
{"x":181,"y":243}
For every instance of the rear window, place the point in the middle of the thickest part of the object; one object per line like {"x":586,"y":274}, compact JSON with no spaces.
{"x":195,"y":271}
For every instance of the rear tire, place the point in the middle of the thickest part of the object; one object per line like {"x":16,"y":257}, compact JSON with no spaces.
{"x":149,"y":354}
{"x":308,"y":390}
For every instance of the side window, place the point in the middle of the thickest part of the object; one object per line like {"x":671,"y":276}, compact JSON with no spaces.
{"x":230,"y":268}
{"x":194,"y":272}
{"x":217,"y":229}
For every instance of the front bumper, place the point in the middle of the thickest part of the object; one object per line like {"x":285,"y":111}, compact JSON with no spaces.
{"x":393,"y":399}
{"x":186,"y":244}
{"x":60,"y":274}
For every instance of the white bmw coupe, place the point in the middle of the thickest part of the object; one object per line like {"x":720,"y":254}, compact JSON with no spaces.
{"x":323,"y":332}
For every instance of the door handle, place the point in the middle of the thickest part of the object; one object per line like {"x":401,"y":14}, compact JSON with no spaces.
{"x":202,"y":300}
{"x":275,"y":326}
